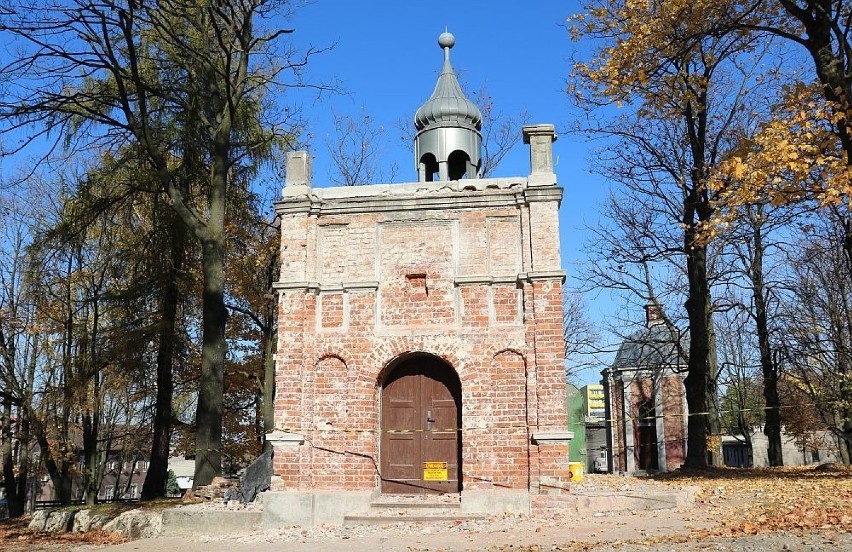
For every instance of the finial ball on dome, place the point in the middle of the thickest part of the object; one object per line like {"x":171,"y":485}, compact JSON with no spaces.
{"x":446,"y":40}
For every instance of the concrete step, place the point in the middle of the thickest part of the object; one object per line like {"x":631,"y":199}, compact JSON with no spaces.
{"x":408,"y":509}
{"x":425,"y":505}
{"x":415,"y":509}
{"x":590,"y":502}
{"x":402,"y":517}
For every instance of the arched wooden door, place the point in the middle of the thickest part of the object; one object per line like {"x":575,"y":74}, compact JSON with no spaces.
{"x":421,"y":417}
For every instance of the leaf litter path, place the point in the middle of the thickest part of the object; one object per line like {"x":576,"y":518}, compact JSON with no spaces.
{"x":764,"y":509}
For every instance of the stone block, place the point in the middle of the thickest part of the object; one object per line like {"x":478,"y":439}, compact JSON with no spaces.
{"x":59,"y":522}
{"x":136,"y":524}
{"x":287,"y":508}
{"x":495,"y":501}
{"x":38,"y":520}
{"x":332,"y":506}
{"x":192,"y":521}
{"x":312,"y":508}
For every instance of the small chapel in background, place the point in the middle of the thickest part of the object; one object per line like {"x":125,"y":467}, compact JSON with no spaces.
{"x":646,"y":399}
{"x":420,"y":347}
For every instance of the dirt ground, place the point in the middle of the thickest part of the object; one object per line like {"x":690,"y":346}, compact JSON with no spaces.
{"x":781,"y":509}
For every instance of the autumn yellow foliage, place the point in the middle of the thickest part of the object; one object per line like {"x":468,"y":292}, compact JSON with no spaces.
{"x":796,"y":156}
{"x":644,"y":43}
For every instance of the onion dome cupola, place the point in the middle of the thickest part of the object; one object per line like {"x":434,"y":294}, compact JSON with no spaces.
{"x":448,"y":142}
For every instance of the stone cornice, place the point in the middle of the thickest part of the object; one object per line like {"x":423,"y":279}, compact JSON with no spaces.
{"x":543,"y":193}
{"x":285,"y":439}
{"x":379,"y":204}
{"x":470,"y":194}
{"x":552,"y":437}
{"x":485,"y":280}
{"x":321,"y":288}
{"x":542,"y":275}
{"x":520,"y":278}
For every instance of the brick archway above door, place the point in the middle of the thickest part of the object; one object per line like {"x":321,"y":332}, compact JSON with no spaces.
{"x":420,"y":422}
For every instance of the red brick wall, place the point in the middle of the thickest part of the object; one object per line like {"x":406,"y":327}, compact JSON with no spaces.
{"x":336,"y":340}
{"x":331,"y":310}
{"x":674,"y":400}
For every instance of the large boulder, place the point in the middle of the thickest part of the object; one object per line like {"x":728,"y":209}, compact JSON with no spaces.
{"x":58,"y":521}
{"x":256,"y":478}
{"x":39,"y":520}
{"x":85,"y":520}
{"x":136,"y":524}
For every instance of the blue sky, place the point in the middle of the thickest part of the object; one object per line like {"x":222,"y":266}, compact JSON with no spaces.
{"x":386,"y":56}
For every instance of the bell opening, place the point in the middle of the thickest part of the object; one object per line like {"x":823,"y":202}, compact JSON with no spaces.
{"x":458,"y":164}
{"x":429,"y":167}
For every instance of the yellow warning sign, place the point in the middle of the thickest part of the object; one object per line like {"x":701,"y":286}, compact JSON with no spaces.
{"x":435,"y":471}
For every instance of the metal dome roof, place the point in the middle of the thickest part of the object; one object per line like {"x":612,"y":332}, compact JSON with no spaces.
{"x":448,"y":106}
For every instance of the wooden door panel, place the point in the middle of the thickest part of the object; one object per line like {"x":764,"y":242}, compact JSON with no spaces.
{"x":418,"y":391}
{"x":400,"y":420}
{"x":441,"y":443}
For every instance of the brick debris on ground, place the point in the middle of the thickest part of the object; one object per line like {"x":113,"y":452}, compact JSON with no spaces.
{"x":786,"y":509}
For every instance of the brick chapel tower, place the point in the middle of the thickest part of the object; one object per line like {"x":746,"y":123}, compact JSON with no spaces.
{"x":420,"y":329}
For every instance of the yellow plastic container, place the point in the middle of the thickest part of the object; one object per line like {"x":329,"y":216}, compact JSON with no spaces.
{"x":575,"y":471}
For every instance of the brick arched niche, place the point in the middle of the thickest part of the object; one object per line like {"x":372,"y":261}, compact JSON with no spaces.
{"x":499,"y":424}
{"x":339,"y":423}
{"x":420,"y":413}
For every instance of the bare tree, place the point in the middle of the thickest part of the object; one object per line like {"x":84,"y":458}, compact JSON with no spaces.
{"x":356,"y":151}
{"x":501,"y":131}
{"x":687,"y":101}
{"x":187,"y":83}
{"x":818,"y":327}
{"x":742,"y":407}
{"x":582,"y":339}
{"x":19,"y":348}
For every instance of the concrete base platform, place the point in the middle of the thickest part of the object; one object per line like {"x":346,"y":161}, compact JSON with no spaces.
{"x":312,"y":508}
{"x":495,"y":501}
{"x":289,"y":508}
{"x":589,"y":503}
{"x":191,"y":521}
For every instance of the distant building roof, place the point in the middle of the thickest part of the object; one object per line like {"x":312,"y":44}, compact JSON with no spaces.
{"x":652,"y":346}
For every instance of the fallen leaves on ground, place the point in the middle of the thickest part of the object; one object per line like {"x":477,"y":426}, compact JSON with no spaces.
{"x":743,"y":502}
{"x":762,"y":500}
{"x":16,"y":531}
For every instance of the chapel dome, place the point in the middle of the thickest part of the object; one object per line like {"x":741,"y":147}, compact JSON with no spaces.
{"x":448,"y":106}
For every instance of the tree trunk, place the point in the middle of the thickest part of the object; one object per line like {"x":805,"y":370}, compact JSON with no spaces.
{"x":60,"y":478}
{"x":158,"y":465}
{"x":269,"y":384}
{"x":772,"y":425}
{"x":844,"y":442}
{"x":90,"y":454}
{"x":18,"y":506}
{"x":700,"y":382}
{"x":208,"y":418}
{"x":15,"y":499}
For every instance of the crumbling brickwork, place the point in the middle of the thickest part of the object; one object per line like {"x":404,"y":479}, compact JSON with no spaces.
{"x":466,"y":272}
